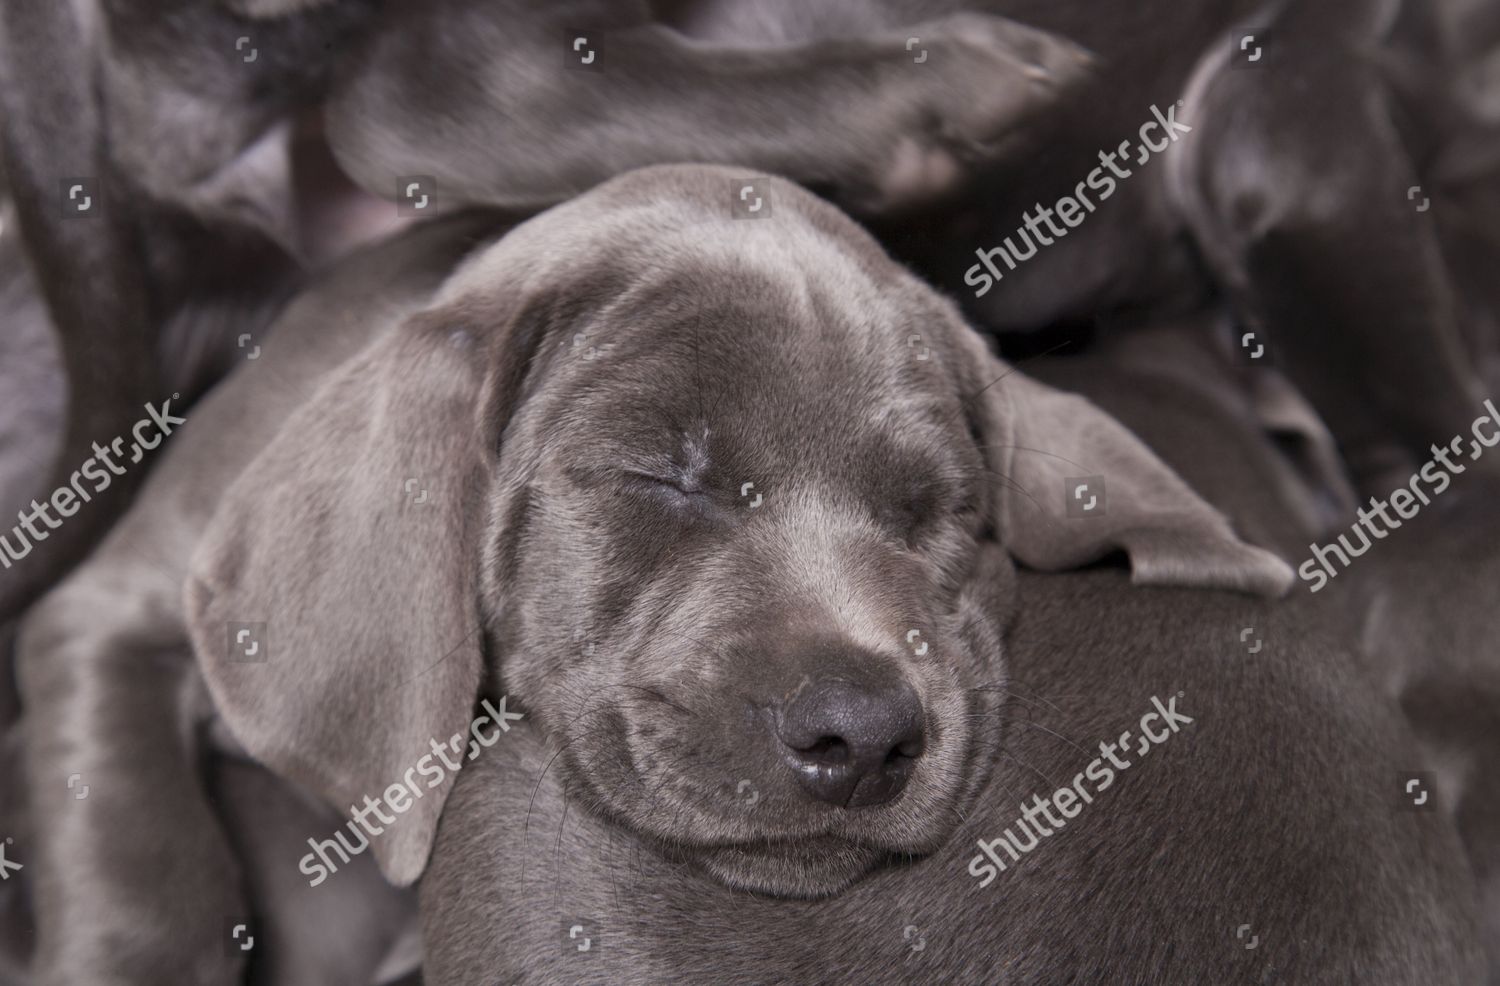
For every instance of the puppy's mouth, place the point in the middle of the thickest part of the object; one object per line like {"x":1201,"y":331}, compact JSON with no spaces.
{"x":807,"y":869}
{"x":803,"y":859}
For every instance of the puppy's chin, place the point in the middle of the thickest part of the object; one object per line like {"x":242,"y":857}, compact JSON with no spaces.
{"x":806,"y":869}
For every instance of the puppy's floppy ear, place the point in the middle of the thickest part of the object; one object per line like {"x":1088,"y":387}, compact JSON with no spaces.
{"x":1047,"y":443}
{"x":353,"y":537}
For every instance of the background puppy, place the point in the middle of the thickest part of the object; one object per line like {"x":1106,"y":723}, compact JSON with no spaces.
{"x":1288,"y":179}
{"x":536,"y":469}
{"x":1165,"y":876}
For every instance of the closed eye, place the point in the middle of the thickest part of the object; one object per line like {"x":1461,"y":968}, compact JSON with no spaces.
{"x":669,"y":485}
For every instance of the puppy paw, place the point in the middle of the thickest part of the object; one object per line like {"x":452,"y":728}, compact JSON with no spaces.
{"x":969,"y":86}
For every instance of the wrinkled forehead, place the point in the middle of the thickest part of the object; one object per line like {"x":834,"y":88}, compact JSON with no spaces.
{"x":794,"y":350}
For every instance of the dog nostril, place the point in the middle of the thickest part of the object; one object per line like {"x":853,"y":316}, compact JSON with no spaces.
{"x":850,"y":744}
{"x":827,"y":749}
{"x":902,"y":752}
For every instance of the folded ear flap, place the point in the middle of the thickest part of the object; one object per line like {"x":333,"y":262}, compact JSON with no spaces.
{"x":1079,"y":485}
{"x":332,"y":599}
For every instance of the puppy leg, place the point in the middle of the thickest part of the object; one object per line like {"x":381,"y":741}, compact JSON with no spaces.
{"x":134,"y":881}
{"x":89,"y":268}
{"x":517,"y":117}
{"x":1296,"y":184}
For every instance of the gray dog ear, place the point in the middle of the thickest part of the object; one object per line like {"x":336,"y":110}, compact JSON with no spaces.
{"x":1079,"y":485}
{"x":349,"y":551}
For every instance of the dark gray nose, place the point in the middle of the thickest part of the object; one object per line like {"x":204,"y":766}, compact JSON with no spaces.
{"x":852,"y":744}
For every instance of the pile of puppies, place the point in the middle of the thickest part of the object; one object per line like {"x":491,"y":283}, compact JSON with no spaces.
{"x":591,"y":537}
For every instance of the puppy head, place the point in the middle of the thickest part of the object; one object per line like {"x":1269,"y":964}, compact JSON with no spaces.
{"x":734,"y":504}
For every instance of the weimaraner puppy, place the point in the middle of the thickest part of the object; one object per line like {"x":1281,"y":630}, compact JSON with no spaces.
{"x":632,"y":425}
{"x":1259,"y":836}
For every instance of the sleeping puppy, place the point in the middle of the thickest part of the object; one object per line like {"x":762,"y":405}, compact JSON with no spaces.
{"x":739,"y":482}
{"x":1256,"y":837}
